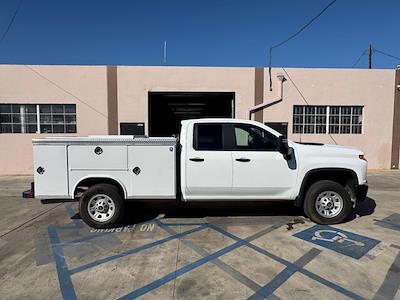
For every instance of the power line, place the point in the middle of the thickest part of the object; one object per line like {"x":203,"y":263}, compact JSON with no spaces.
{"x":304,"y":99}
{"x":11,"y":22}
{"x":387,"y":54}
{"x":304,"y":26}
{"x":359,"y":58}
{"x":69,"y":93}
{"x":295,"y":86}
{"x":293,"y":36}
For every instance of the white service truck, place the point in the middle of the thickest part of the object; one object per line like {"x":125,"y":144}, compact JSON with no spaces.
{"x":212,"y":160}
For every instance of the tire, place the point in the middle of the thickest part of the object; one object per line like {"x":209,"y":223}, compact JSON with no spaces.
{"x":327,"y":202}
{"x":107,"y":206}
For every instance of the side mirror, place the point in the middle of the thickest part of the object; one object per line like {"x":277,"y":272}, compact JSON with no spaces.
{"x":284,"y":148}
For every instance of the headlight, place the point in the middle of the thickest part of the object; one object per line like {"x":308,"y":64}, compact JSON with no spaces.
{"x":362,"y":156}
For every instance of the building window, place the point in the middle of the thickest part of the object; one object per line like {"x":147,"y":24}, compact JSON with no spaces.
{"x":327,"y":119}
{"x":57,"y":118}
{"x":37,"y":118}
{"x":18,"y":118}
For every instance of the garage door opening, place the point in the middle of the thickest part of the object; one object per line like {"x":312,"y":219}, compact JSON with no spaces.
{"x":168,"y":109}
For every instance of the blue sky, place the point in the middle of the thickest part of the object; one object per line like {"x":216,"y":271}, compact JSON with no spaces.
{"x":205,"y":33}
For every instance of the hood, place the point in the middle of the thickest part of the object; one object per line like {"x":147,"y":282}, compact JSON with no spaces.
{"x":327,"y":149}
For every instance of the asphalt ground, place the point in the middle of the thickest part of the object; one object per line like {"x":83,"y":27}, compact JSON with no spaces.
{"x":167,"y":250}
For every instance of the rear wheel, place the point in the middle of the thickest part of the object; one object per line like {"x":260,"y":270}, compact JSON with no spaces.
{"x":101,"y":206}
{"x":327,"y":202}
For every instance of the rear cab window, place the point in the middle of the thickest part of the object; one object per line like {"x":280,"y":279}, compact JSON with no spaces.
{"x":208,"y":137}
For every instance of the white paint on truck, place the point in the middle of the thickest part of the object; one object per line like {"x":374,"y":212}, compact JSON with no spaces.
{"x":219,"y":159}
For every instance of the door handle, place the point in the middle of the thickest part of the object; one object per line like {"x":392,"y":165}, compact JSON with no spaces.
{"x":198,"y":159}
{"x":243,"y":159}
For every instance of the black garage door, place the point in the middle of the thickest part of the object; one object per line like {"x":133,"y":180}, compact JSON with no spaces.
{"x":168,"y":109}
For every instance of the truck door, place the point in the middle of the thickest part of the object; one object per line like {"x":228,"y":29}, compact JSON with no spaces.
{"x":259,"y":170}
{"x":208,"y":166}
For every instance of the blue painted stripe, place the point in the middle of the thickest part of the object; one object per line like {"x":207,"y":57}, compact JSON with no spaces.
{"x":391,"y":283}
{"x":235,"y":274}
{"x":288,"y":263}
{"x":85,"y":238}
{"x":284,"y":275}
{"x":70,"y":226}
{"x":69,"y":209}
{"x":135,"y":250}
{"x":171,"y":276}
{"x":388,"y":223}
{"x":330,"y":284}
{"x":183,"y":224}
{"x":72,"y":212}
{"x":274,"y":284}
{"x":64,"y":278}
{"x":248,"y":244}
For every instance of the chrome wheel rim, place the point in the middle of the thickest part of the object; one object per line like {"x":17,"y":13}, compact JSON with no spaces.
{"x":329,"y":204}
{"x":101,"y":208}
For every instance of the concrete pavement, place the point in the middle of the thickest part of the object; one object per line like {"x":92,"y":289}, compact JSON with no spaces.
{"x":193,"y":251}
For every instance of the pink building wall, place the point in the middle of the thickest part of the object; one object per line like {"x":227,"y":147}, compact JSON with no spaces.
{"x":374,"y":89}
{"x":18,"y":84}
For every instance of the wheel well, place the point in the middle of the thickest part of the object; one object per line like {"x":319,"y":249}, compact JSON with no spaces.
{"x":88,"y":182}
{"x":345,"y":177}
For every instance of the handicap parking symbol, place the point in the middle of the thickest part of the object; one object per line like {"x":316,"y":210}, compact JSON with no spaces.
{"x":341,"y":241}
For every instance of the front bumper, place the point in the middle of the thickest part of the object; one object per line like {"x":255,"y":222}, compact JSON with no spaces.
{"x":361,"y":192}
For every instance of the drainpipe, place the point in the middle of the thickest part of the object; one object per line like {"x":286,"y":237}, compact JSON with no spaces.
{"x":395,"y":157}
{"x":271,"y":102}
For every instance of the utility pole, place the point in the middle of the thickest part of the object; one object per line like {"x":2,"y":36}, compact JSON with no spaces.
{"x":370,"y":56}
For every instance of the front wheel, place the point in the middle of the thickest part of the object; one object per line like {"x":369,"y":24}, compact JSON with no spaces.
{"x":101,"y":206}
{"x":327,"y":202}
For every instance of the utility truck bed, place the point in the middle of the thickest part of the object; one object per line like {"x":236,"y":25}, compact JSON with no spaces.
{"x":144,"y":167}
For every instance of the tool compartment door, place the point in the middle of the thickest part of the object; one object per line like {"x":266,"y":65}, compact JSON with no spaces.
{"x":97,"y":157}
{"x":153,"y":172}
{"x":50,"y":171}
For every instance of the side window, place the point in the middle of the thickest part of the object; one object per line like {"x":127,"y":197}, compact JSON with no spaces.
{"x":242,"y":137}
{"x":253,"y":138}
{"x":207,"y":137}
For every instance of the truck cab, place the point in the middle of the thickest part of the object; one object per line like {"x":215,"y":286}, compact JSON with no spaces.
{"x":213,"y":160}
{"x":227,"y":159}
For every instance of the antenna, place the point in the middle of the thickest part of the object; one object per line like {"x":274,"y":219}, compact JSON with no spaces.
{"x":370,"y":56}
{"x":165,"y":52}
